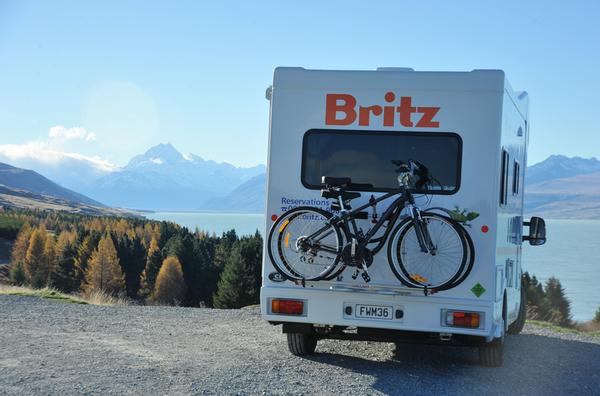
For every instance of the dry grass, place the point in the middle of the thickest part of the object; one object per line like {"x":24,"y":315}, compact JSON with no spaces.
{"x":98,"y":297}
{"x":94,"y":298}
{"x":589,"y":327}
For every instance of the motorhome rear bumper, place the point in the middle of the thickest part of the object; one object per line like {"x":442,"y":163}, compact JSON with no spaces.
{"x":419,"y":313}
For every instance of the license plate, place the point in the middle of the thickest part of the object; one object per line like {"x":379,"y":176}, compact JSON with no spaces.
{"x":374,"y":311}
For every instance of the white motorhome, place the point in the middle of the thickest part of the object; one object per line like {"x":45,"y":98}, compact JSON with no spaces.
{"x":471,"y":131}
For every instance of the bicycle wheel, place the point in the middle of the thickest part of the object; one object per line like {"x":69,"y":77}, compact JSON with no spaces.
{"x":302,"y":246}
{"x":435,"y":271}
{"x":470,"y":258}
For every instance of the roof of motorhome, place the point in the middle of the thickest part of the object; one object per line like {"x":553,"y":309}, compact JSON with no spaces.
{"x":475,"y":80}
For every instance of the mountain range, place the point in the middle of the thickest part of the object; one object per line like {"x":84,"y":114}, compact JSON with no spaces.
{"x":163,"y":179}
{"x":27,"y":189}
{"x":160,"y":179}
{"x":563,"y":187}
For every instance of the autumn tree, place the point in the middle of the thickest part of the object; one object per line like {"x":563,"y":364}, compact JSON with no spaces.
{"x":153,"y":264}
{"x":49,"y":257}
{"x":170,"y":286}
{"x":36,"y":267}
{"x":84,"y":252}
{"x":103,"y":270}
{"x":19,"y":250}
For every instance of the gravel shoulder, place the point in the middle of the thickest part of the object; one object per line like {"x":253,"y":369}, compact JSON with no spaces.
{"x":50,"y":347}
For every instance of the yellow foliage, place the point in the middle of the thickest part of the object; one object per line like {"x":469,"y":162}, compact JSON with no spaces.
{"x":170,"y":286}
{"x":103,"y":269}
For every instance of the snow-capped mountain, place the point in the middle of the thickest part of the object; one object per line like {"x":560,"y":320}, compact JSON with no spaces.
{"x":164,"y":179}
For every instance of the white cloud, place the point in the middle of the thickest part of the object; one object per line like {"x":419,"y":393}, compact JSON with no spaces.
{"x":60,"y":132}
{"x":41,"y":151}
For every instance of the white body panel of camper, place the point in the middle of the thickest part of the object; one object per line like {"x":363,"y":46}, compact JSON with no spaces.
{"x":491,"y":120}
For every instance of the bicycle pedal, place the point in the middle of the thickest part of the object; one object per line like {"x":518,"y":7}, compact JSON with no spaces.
{"x":366,"y":277}
{"x":355,"y":274}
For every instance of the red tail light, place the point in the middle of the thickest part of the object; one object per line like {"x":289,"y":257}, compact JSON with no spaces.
{"x":463,"y":319}
{"x":287,"y":307}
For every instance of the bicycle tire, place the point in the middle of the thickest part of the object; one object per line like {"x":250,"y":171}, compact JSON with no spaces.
{"x":470,"y":258}
{"x":399,"y":267}
{"x":278,"y":258}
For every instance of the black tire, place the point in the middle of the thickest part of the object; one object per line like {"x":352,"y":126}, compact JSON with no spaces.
{"x":491,"y":354}
{"x":470,"y":257}
{"x":276,"y":257}
{"x":301,"y":344}
{"x":398,"y":268}
{"x":517,"y":326}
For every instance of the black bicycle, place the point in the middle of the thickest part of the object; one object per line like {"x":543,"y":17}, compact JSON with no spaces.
{"x":426,"y":250}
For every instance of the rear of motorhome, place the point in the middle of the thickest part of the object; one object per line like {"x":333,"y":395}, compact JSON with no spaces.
{"x":342,"y":140}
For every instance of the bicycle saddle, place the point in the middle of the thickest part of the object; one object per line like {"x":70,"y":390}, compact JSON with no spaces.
{"x":335,"y":181}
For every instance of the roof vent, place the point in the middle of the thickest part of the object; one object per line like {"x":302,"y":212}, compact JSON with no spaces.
{"x":396,"y":69}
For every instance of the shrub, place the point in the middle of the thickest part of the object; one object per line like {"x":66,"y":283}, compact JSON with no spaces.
{"x":17,"y":274}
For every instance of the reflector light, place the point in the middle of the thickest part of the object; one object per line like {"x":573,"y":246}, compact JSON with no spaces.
{"x":287,"y":307}
{"x":462,"y":319}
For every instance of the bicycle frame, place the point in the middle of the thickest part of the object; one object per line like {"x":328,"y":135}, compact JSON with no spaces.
{"x":391,"y":214}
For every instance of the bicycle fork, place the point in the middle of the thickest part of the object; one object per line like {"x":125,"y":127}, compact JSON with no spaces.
{"x":423,"y":236}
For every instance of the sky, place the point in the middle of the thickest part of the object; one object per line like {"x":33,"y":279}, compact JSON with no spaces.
{"x":106,"y":80}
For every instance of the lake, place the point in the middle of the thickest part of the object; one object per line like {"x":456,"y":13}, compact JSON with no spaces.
{"x":571,"y":254}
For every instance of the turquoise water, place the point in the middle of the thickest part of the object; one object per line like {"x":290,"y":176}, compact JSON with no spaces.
{"x":243,"y":223}
{"x":572,"y":252}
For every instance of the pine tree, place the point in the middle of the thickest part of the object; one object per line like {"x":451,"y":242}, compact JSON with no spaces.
{"x":35,"y":261}
{"x":104,"y":271}
{"x":236,"y":286}
{"x":170,"y":286}
{"x":558,"y":302}
{"x":153,"y":263}
{"x":597,"y":316}
{"x":64,"y":276}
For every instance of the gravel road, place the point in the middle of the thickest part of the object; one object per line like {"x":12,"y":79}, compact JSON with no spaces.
{"x":49,"y":347}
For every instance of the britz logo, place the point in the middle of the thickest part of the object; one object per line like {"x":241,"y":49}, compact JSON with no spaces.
{"x":341,"y":109}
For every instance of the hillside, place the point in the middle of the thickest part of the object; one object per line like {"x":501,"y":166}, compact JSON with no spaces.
{"x":564,"y":188}
{"x":248,"y":197}
{"x":26,"y":189}
{"x":26,"y":180}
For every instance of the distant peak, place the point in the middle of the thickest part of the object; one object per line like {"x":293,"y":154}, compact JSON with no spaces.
{"x":164,"y":152}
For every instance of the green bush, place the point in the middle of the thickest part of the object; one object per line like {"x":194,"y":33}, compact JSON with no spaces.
{"x":597,"y":316}
{"x":17,"y":274}
{"x":547,"y":302}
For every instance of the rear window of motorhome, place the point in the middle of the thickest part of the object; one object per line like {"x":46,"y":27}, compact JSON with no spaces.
{"x":365,"y":157}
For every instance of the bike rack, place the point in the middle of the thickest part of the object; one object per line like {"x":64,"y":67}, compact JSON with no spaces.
{"x":385,"y":291}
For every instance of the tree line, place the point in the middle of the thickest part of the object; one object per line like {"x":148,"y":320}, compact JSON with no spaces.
{"x":144,"y":260}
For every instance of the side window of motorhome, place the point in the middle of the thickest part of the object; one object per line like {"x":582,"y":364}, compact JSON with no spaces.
{"x":365,"y":157}
{"x":516,"y":177}
{"x":504,"y":178}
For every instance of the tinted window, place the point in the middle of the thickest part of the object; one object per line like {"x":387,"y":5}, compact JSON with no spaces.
{"x":516,"y":177}
{"x":504,"y":179}
{"x":365,"y":157}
